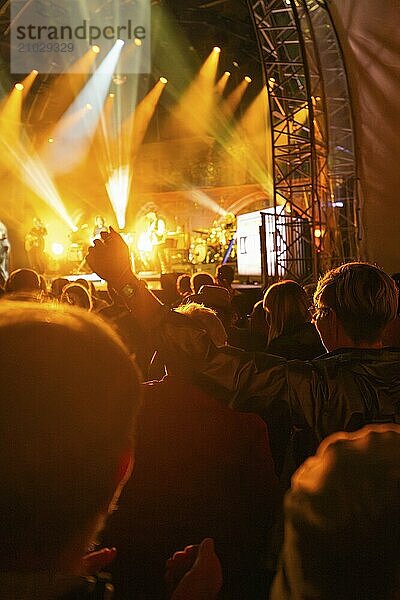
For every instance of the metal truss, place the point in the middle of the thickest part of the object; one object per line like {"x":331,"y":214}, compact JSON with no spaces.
{"x":312,"y":137}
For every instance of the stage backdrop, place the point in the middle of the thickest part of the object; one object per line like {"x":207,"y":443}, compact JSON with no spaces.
{"x":369,"y":34}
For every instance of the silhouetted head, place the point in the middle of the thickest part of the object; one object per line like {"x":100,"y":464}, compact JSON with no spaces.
{"x":199,"y":279}
{"x":75,"y":294}
{"x":286,"y":306}
{"x":69,"y":392}
{"x":358,"y":297}
{"x":23,"y":280}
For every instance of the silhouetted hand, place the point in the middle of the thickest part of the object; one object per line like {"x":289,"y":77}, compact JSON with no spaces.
{"x":96,"y":561}
{"x":203,"y":580}
{"x":109,"y":258}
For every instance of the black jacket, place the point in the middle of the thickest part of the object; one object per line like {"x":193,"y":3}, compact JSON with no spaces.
{"x":341,"y":390}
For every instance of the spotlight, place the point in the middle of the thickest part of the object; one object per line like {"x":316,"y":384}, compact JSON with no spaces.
{"x":217,"y":49}
{"x":35,"y":72}
{"x":248,"y":79}
{"x":19,"y":87}
{"x":119,"y":43}
{"x":96,"y":49}
{"x":227,"y":73}
{"x":163,"y":80}
{"x":89,"y":106}
{"x":137,"y":42}
{"x":235,"y":64}
{"x":51,"y":140}
{"x":112,"y":95}
{"x":57,"y":249}
{"x":317,"y":233}
{"x":272,"y":79}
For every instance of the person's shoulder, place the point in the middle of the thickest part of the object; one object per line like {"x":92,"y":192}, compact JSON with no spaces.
{"x":368,"y":361}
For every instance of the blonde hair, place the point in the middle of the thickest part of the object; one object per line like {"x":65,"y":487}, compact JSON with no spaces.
{"x":363,"y":297}
{"x":207,"y":319}
{"x":286,"y":305}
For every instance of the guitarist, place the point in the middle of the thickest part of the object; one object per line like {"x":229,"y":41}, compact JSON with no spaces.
{"x":34,"y":246}
{"x":156,"y":233}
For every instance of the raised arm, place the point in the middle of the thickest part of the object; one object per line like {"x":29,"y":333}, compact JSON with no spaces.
{"x":237,"y":375}
{"x":109,"y":258}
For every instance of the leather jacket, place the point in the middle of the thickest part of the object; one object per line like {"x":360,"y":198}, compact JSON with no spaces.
{"x":341,"y":390}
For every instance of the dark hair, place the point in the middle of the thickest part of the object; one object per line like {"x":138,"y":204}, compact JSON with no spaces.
{"x":57,"y":286}
{"x":342,"y":518}
{"x":199,"y":279}
{"x":225,"y":273}
{"x":68,"y":398}
{"x":77,"y":295}
{"x":23,"y":280}
{"x":183,"y":284}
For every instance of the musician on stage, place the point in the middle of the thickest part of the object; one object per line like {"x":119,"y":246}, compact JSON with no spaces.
{"x":156,"y":233}
{"x":4,"y":251}
{"x":34,"y":246}
{"x":99,"y":226}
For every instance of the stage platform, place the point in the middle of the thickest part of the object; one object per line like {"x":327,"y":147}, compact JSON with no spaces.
{"x":153,"y":280}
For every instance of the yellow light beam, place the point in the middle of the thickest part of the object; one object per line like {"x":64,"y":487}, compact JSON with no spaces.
{"x":29,"y":81}
{"x":63,"y":91}
{"x":222,"y":83}
{"x":135,"y":127}
{"x":194,"y":111}
{"x":118,"y":189}
{"x":10,"y":121}
{"x":232,"y":102}
{"x":73,"y":138}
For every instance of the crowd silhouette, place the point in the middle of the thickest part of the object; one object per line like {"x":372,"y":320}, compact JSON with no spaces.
{"x":184,"y":445}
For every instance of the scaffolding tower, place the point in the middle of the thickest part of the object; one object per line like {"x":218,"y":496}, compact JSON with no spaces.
{"x":314,"y":166}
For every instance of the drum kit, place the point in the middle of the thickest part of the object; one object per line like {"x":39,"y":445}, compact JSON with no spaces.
{"x":210,"y":245}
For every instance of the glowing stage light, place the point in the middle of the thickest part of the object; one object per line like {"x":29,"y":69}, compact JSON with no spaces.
{"x":118,"y":187}
{"x":19,"y":87}
{"x":250,"y":130}
{"x":247,"y":79}
{"x":57,"y":249}
{"x":199,"y":197}
{"x":194,"y":111}
{"x":317,"y":233}
{"x":51,"y":140}
{"x":137,"y":42}
{"x":235,"y":64}
{"x":217,"y":49}
{"x":133,"y":129}
{"x":163,"y":80}
{"x":75,"y":130}
{"x":222,"y":82}
{"x":112,"y":95}
{"x":235,"y":97}
{"x":35,"y":72}
{"x":96,"y":49}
